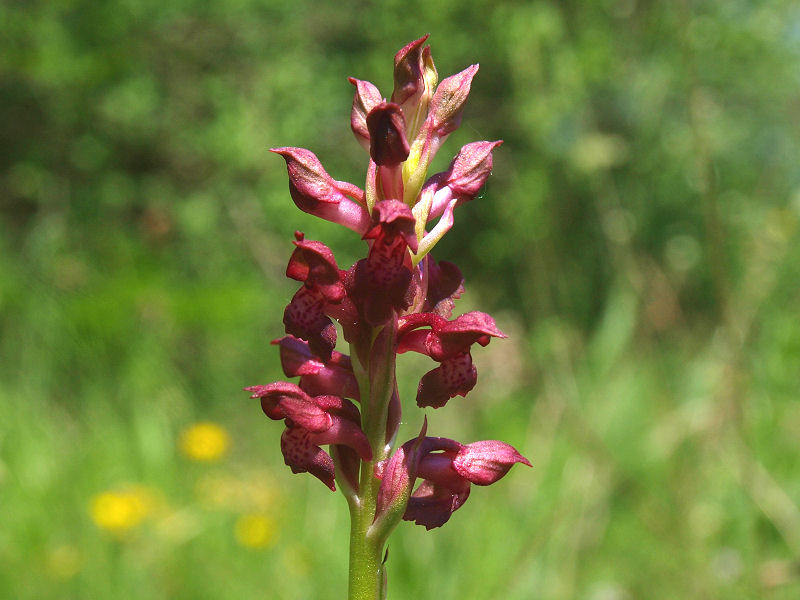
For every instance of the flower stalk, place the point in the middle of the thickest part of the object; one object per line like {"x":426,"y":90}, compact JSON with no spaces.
{"x":396,"y":299}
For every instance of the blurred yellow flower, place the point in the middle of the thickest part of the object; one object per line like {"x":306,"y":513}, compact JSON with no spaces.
{"x":255,"y":531}
{"x":120,"y":511}
{"x":204,"y":442}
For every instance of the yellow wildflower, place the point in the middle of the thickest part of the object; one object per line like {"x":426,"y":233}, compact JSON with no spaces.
{"x":120,"y":511}
{"x":255,"y":531}
{"x":204,"y":442}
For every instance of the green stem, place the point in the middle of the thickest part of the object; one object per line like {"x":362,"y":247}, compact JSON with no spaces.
{"x":376,"y":383}
{"x":366,"y":570}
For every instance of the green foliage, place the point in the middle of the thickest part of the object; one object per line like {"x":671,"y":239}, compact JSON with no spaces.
{"x":638,"y":240}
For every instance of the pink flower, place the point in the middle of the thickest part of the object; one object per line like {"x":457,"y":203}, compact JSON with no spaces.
{"x":447,"y":469}
{"x":310,"y":423}
{"x":447,"y":342}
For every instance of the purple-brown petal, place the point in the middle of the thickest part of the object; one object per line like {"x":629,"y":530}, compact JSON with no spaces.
{"x":305,"y":318}
{"x":313,"y":263}
{"x":393,"y":218}
{"x":388,"y":145}
{"x":380,"y":284}
{"x":455,"y":376}
{"x":445,"y":286}
{"x":303,"y":456}
{"x":408,"y":71}
{"x":285,"y":400}
{"x":432,"y":505}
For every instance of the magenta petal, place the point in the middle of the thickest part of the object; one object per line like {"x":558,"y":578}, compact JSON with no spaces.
{"x":394,"y":218}
{"x":486,"y":461}
{"x":448,"y":101}
{"x":397,"y":477}
{"x":331,"y":380}
{"x":445,"y":339}
{"x":346,"y":433}
{"x":338,"y":407}
{"x":297,"y":358}
{"x":471,"y":168}
{"x":303,"y":456}
{"x":458,"y":335}
{"x":284,"y":400}
{"x":317,"y":193}
{"x":305,"y":318}
{"x":334,"y":377}
{"x":454,"y":377}
{"x":313,"y":263}
{"x":380,"y":286}
{"x":388,"y":145}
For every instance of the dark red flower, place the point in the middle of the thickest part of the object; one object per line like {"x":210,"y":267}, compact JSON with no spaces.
{"x":312,"y":422}
{"x":447,"y":342}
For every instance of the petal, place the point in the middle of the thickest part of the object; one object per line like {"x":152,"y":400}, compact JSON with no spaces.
{"x":445,"y":286}
{"x":465,"y":177}
{"x":314,"y":264}
{"x":317,"y":378}
{"x":317,"y":193}
{"x":305,"y":318}
{"x":346,"y":433}
{"x":431,"y":505}
{"x":366,"y":97}
{"x":393,"y":218}
{"x":471,"y":168}
{"x":448,"y":102}
{"x":284,"y":400}
{"x":415,"y":78}
{"x":297,"y":358}
{"x":303,"y":456}
{"x":486,"y":461}
{"x":388,"y":145}
{"x":456,"y":336}
{"x":380,"y":284}
{"x":445,"y":339}
{"x":454,"y":377}
{"x":408,"y":71}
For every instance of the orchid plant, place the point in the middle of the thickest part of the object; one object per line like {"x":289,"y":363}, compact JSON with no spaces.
{"x":397,"y":299}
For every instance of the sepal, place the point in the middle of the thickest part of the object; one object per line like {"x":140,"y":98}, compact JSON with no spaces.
{"x":317,"y":193}
{"x":366,"y":98}
{"x":487,"y":461}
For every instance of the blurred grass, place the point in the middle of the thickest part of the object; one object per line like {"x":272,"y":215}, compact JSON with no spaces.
{"x":638,"y":240}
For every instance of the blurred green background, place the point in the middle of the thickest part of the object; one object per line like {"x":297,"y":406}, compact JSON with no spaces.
{"x":638,"y":241}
